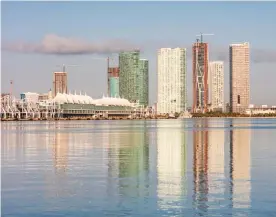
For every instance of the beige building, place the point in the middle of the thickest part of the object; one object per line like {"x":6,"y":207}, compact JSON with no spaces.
{"x":239,"y":77}
{"x":216,"y":85}
{"x":59,"y":83}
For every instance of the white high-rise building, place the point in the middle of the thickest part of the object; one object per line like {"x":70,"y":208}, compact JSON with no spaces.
{"x":216,"y":85}
{"x":171,"y":77}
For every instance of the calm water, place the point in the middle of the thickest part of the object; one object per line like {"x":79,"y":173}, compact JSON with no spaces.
{"x":205,"y":167}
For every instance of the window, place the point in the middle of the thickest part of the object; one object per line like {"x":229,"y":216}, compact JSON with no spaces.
{"x":239,"y":99}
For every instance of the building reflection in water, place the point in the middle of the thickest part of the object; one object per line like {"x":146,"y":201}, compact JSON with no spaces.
{"x":200,"y":165}
{"x":240,"y":160}
{"x":60,"y":152}
{"x":216,"y":173}
{"x":171,"y":164}
{"x":128,"y":157}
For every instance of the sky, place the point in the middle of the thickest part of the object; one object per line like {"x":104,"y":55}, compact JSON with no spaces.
{"x":38,"y":37}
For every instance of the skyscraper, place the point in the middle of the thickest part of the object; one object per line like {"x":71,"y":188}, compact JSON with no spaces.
{"x":133,"y":77}
{"x":216,"y":85}
{"x":59,"y":83}
{"x":143,"y":82}
{"x":200,"y":77}
{"x":239,"y":77}
{"x":113,"y":81}
{"x":171,"y":77}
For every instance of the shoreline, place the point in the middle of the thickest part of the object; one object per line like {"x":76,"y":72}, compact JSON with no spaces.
{"x":117,"y":119}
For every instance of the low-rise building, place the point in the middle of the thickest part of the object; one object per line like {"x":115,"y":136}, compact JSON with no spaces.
{"x":263,"y":109}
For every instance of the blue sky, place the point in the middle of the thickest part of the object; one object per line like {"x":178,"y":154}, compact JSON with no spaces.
{"x":150,"y":25}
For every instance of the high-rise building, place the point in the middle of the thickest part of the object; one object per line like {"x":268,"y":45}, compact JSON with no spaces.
{"x":171,"y":80}
{"x":113,"y":81}
{"x":133,"y":77}
{"x":216,"y":85}
{"x":59,"y":83}
{"x":143,"y":82}
{"x":239,"y":77}
{"x":200,"y":77}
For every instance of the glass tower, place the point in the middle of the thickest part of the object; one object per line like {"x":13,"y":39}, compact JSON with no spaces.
{"x":133,"y":77}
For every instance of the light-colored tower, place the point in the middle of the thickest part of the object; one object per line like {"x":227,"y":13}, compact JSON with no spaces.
{"x":171,"y":75}
{"x":216,"y":85}
{"x":59,"y":83}
{"x":239,"y":77}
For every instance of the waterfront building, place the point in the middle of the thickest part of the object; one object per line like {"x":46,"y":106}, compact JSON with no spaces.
{"x":239,"y":77}
{"x":30,"y":97}
{"x":216,"y":85}
{"x":200,"y":77}
{"x":59,"y":83}
{"x":171,"y":80}
{"x":113,"y":81}
{"x":133,"y":77}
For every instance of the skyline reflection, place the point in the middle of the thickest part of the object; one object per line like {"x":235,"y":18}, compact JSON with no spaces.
{"x":171,"y":164}
{"x":154,"y":165}
{"x":240,"y":162}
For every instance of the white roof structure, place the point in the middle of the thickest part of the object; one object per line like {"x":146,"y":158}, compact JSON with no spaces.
{"x":62,"y":98}
{"x":112,"y":101}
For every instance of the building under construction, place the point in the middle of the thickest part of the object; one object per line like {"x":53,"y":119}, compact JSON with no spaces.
{"x":200,"y":77}
{"x":113,"y":81}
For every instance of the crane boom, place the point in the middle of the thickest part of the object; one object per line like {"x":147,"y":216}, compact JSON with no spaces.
{"x":202,"y":34}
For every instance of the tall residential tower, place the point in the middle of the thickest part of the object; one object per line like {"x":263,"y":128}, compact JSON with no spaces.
{"x":239,"y":77}
{"x":59,"y":83}
{"x":171,"y":77}
{"x":200,"y":77}
{"x":216,"y":85}
{"x":133,"y":77}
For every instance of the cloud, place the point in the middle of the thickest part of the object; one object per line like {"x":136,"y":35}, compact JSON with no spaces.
{"x":256,"y":55}
{"x":53,"y":44}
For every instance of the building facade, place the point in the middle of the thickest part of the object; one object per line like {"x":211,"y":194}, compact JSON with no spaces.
{"x":171,"y":80}
{"x":114,"y":87}
{"x":59,"y":83}
{"x":143,"y":82}
{"x":239,"y":77}
{"x":200,"y":77}
{"x":216,"y":86}
{"x":30,"y":97}
{"x":133,"y":77}
{"x":113,"y":81}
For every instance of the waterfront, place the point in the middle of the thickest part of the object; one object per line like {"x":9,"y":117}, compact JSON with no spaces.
{"x":192,"y":167}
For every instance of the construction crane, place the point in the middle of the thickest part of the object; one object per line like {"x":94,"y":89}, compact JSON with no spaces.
{"x":203,"y":34}
{"x":64,"y":66}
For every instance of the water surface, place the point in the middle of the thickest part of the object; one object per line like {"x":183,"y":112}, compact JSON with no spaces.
{"x":194,"y":167}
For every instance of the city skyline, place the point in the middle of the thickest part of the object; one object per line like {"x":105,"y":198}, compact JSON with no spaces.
{"x":18,"y":25}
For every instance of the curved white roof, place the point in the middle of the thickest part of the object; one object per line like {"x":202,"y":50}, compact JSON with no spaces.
{"x":112,"y":101}
{"x":62,"y":98}
{"x":69,"y":98}
{"x":75,"y":98}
